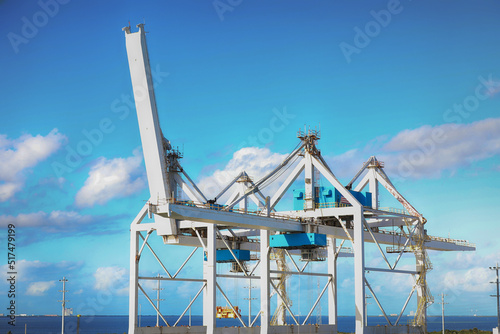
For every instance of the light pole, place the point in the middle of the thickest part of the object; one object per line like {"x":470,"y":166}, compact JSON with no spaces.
{"x":497,"y":295}
{"x":250,"y":287}
{"x":158,"y":302}
{"x":366,"y":309}
{"x":63,"y":301}
{"x":442,"y":309}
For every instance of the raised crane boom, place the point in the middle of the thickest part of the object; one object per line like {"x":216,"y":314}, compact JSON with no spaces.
{"x":161,"y":183}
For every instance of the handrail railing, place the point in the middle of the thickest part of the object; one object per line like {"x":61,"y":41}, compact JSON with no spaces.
{"x":220,"y":207}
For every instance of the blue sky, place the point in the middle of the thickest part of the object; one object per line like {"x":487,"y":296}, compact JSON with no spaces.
{"x":416,"y":83}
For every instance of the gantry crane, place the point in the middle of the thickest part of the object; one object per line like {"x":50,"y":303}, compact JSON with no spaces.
{"x":228,"y":232}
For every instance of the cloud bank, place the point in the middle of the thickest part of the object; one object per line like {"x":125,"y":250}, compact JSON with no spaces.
{"x":255,"y":161}
{"x":427,"y":151}
{"x":111,"y":279}
{"x":112,"y":178}
{"x":39,"y":288}
{"x":21,"y":154}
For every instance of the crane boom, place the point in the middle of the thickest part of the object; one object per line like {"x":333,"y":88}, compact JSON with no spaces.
{"x":161,"y":183}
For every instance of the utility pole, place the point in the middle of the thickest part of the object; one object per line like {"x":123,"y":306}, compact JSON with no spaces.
{"x":366,"y":308}
{"x":250,"y":287}
{"x":158,"y":302}
{"x":63,"y":301}
{"x":497,"y":295}
{"x":442,"y":309}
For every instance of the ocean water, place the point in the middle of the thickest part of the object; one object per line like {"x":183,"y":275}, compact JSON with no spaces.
{"x":119,"y":324}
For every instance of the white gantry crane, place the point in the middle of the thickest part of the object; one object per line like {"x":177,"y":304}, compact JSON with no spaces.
{"x":323,"y":218}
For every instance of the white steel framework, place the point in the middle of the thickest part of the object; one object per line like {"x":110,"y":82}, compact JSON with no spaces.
{"x":203,"y":224}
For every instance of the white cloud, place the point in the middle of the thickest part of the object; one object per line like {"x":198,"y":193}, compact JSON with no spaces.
{"x":393,"y":282}
{"x":108,"y":179}
{"x":55,"y":221}
{"x":423,"y":152}
{"x":21,"y":154}
{"x":463,"y":272}
{"x":39,"y":288}
{"x":347,"y":283}
{"x":257,"y":162}
{"x":8,"y":189}
{"x":111,"y":279}
{"x":348,"y":163}
{"x":428,"y":151}
{"x":473,"y":280}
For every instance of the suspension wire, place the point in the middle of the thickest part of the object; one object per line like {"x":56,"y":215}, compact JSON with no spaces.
{"x":275,"y":177}
{"x":256,"y":186}
{"x":283,"y":164}
{"x":266,"y":182}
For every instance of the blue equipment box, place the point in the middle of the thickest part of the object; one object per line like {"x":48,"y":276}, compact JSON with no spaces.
{"x":224,"y":255}
{"x":329,"y":195}
{"x":298,"y":240}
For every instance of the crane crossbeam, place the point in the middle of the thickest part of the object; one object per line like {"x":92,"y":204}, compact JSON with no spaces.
{"x":245,"y":220}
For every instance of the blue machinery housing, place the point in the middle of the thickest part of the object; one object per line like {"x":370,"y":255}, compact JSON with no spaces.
{"x":329,"y":197}
{"x":298,"y":240}
{"x":225,"y":256}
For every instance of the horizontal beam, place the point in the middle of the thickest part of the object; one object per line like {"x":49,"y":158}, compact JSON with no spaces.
{"x":397,"y":271}
{"x":282,"y":329}
{"x":156,"y":278}
{"x":252,"y":221}
{"x":143,"y":227}
{"x":179,"y":211}
{"x":299,"y":273}
{"x":385,"y":222}
{"x":381,"y":213}
{"x":323,"y":212}
{"x":245,"y":277}
{"x":185,"y":240}
{"x":447,"y":246}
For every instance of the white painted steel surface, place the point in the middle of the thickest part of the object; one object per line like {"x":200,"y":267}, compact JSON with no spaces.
{"x":204,"y":224}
